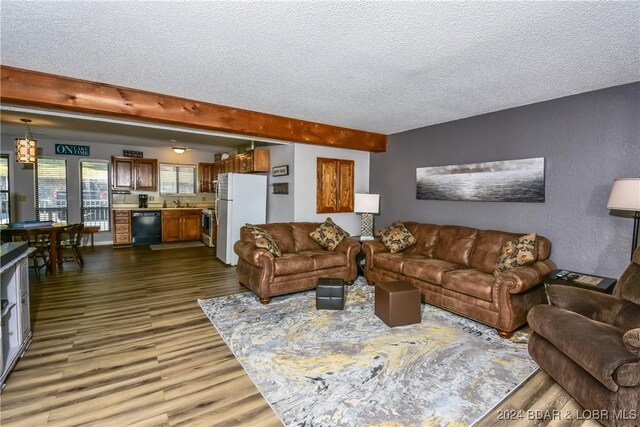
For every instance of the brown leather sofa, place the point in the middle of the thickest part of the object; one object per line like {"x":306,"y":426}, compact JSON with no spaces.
{"x":302,"y":263}
{"x":578,"y":340}
{"x":453,"y":268}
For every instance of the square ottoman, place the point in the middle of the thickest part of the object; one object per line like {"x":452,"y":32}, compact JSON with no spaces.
{"x":397,"y":303}
{"x":330,"y":294}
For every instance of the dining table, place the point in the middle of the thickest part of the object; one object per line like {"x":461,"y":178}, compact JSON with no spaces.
{"x":55,"y":231}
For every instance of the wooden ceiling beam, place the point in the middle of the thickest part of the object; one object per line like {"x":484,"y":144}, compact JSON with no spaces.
{"x":33,"y":88}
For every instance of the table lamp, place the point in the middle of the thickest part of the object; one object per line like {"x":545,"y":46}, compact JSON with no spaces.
{"x":625,"y":196}
{"x":367,"y":205}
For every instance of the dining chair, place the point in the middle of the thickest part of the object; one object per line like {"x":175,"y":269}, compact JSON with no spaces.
{"x":39,"y":240}
{"x":71,"y":240}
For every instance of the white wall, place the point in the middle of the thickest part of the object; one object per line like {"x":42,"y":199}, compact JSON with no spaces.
{"x":305,"y":178}
{"x":280,"y":207}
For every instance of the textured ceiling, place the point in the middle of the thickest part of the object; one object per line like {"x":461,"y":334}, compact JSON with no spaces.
{"x":377,"y":66}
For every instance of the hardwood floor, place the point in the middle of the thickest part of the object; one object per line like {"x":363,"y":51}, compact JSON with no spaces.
{"x":123,"y":341}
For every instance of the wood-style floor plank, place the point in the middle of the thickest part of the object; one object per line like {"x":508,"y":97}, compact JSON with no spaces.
{"x":123,"y":341}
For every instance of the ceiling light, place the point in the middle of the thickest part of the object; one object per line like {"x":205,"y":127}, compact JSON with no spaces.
{"x":179,"y":150}
{"x":26,"y":147}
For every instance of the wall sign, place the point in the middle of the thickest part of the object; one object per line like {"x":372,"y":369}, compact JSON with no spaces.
{"x":281,"y":188}
{"x":280,"y":170}
{"x":72,"y":150}
{"x":130,"y":153}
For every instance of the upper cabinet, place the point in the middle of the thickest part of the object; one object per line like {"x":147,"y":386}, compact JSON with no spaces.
{"x":134,"y":174}
{"x":335,"y":185}
{"x":252,"y":161}
{"x":207,"y":174}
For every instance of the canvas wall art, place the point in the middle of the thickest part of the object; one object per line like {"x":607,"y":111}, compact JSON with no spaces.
{"x":503,"y":181}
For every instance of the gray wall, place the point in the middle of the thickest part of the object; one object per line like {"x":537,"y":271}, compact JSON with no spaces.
{"x":587,"y":140}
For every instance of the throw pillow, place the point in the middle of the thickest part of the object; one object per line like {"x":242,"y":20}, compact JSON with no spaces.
{"x":328,"y":235}
{"x":396,"y":237}
{"x":631,"y":340}
{"x":264,"y":240}
{"x":517,"y":253}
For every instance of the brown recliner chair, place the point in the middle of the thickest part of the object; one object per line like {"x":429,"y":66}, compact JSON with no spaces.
{"x":578,"y":341}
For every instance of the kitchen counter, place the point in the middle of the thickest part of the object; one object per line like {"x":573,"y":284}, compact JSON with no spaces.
{"x":159,"y":208}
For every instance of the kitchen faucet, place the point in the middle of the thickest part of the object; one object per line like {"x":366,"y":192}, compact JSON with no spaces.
{"x":177,"y":202}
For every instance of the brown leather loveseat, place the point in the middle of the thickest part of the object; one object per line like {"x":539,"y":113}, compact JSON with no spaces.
{"x":453,"y":268}
{"x":302,"y":263}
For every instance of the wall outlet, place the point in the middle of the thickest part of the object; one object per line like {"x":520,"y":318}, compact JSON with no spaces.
{"x":22,"y":198}
{"x":204,"y":199}
{"x":151,"y":198}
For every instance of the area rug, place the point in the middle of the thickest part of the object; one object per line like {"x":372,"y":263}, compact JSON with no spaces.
{"x":327,"y":368}
{"x":177,"y":245}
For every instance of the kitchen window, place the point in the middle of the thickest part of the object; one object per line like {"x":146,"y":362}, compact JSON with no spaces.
{"x":94,"y":181}
{"x":5,"y":197}
{"x":177,"y":180}
{"x":51,"y":190}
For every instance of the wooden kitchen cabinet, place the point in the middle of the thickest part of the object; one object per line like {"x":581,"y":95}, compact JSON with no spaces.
{"x":181,"y":224}
{"x":335,"y":185}
{"x":129,"y":173}
{"x":207,"y":174}
{"x":248,"y":162}
{"x":121,"y":228}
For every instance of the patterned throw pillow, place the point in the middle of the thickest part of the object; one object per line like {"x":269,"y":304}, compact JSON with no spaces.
{"x":328,"y":235}
{"x":516,"y":253}
{"x":264,"y":240}
{"x":396,"y":237}
{"x":631,"y":340}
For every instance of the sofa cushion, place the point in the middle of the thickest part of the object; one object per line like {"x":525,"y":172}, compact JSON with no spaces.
{"x":517,"y":253}
{"x":325,"y":259}
{"x":631,"y":340}
{"x":396,"y":237}
{"x":487,"y":249}
{"x":328,"y":235}
{"x":470,"y":282}
{"x":290,"y":263}
{"x":301,"y":239}
{"x":393,"y":262}
{"x":455,"y":244}
{"x":264,"y":240}
{"x":426,"y":237}
{"x":281,"y":233}
{"x":430,"y":270}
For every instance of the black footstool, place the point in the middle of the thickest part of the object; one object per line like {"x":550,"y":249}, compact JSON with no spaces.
{"x":330,"y":294}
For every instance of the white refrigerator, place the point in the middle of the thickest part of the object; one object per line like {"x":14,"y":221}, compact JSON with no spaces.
{"x":240,"y":198}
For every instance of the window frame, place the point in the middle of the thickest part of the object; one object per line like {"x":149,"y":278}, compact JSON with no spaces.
{"x":5,"y":157}
{"x":176,"y":166}
{"x":36,"y":198}
{"x":105,"y":225}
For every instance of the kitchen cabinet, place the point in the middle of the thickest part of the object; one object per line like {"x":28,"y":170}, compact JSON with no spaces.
{"x":251,"y":161}
{"x":121,"y":227}
{"x":181,"y":224}
{"x":335,"y":185}
{"x":207,"y":174}
{"x":15,"y":332}
{"x":128,"y":173}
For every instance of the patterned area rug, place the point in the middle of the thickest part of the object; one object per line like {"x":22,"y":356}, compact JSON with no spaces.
{"x":326,"y":368}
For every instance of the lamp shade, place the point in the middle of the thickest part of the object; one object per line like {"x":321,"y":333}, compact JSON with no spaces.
{"x":367,"y":203}
{"x":25,"y":150}
{"x":179,"y":150}
{"x":625,"y":194}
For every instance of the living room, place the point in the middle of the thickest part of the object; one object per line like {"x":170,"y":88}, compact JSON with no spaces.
{"x":566,"y":90}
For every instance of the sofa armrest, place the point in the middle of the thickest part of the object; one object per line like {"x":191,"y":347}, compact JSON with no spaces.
{"x":252,"y":254}
{"x":594,"y":305}
{"x":370,"y":248}
{"x":519,"y":279}
{"x":349,"y":247}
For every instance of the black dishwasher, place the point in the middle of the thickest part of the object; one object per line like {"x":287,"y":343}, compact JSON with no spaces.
{"x":146,"y":228}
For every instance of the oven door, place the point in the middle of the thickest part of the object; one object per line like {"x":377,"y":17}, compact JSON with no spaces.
{"x":208,"y":235}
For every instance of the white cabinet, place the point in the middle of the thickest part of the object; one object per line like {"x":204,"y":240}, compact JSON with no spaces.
{"x":15,"y":332}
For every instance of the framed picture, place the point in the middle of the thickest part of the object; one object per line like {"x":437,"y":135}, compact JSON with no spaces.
{"x":502,"y":181}
{"x":280,"y":170}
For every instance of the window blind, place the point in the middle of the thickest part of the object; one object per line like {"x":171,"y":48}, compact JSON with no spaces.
{"x":94,"y":177}
{"x":51,"y":189}
{"x":5,"y":208}
{"x":177,"y":179}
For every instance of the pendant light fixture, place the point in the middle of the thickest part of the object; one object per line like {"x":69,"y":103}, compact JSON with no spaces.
{"x":26,"y":147}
